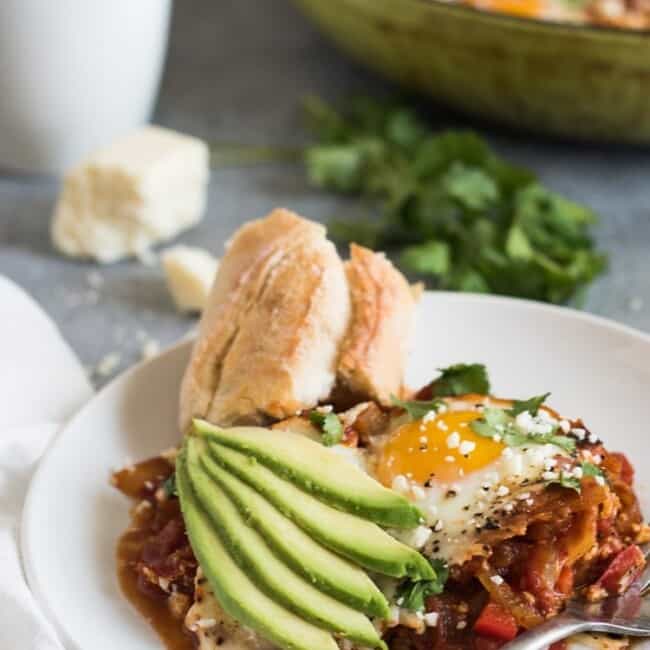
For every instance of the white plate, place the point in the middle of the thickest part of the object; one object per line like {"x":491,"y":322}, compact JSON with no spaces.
{"x":595,"y":368}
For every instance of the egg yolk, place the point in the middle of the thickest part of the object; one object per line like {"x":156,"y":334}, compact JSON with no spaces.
{"x":524,"y":8}
{"x":434,"y":452}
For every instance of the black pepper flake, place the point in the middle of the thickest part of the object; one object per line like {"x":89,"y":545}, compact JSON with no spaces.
{"x":490,"y":524}
{"x":466,"y":508}
{"x":450,"y":494}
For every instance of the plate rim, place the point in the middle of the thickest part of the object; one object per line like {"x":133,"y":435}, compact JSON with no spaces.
{"x":27,"y":520}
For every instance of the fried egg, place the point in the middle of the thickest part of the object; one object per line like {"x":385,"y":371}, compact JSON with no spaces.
{"x":464,"y":483}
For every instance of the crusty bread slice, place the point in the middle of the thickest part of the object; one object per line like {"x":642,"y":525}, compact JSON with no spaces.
{"x":373,"y":355}
{"x":269,"y":339}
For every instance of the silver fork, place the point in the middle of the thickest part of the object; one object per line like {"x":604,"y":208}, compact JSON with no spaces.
{"x":628,"y":615}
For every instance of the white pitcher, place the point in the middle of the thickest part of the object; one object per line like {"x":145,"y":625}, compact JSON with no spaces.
{"x":74,"y":74}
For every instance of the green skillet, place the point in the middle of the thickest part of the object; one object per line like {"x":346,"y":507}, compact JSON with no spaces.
{"x":583,"y":82}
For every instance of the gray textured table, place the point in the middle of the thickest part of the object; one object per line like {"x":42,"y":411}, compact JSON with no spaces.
{"x":236,"y":72}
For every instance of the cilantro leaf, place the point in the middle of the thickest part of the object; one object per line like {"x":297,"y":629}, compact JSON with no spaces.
{"x":413,"y":595}
{"x":501,"y":424}
{"x":565,"y":481}
{"x":460,"y":379}
{"x":431,"y":257}
{"x":531,"y":405}
{"x":589,"y":469}
{"x":574,"y":483}
{"x":417,"y":408}
{"x":451,"y":210}
{"x":330,"y":426}
{"x":169,"y":486}
{"x":471,"y":187}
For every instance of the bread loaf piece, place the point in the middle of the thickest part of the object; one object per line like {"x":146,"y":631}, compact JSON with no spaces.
{"x":270,"y":336}
{"x":373,"y":355}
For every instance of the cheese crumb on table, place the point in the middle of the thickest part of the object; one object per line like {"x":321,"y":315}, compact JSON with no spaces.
{"x":143,"y":189}
{"x":108,"y":364}
{"x":189,"y":272}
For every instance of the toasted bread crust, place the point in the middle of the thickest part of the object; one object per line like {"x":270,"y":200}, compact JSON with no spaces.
{"x":269,"y":339}
{"x":373,"y":355}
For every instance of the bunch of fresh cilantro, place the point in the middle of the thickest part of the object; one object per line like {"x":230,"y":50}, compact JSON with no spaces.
{"x":451,"y":211}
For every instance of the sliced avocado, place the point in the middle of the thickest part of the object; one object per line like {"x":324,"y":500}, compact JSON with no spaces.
{"x":359,"y":540}
{"x":234,"y":590}
{"x":325,"y":569}
{"x":251,"y":552}
{"x":317,"y":470}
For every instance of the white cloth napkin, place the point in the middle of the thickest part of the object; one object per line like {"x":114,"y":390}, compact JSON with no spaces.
{"x":41,"y":386}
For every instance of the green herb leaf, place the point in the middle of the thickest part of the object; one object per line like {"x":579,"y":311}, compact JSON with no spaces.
{"x":417,"y":408}
{"x":432,"y":257}
{"x":569,"y":482}
{"x":531,"y":405}
{"x":502,"y":424}
{"x":589,"y":469}
{"x":461,"y":379}
{"x":452,"y":211}
{"x":330,"y":426}
{"x":413,"y":595}
{"x":169,"y":486}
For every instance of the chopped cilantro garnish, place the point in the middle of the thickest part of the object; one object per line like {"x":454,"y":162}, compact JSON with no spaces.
{"x":417,"y":408}
{"x":460,"y":379}
{"x":502,"y":425}
{"x":531,"y":405}
{"x":589,"y":469}
{"x":566,"y":481}
{"x":169,"y":486}
{"x":449,"y":208}
{"x":330,"y":426}
{"x":413,"y":595}
{"x":572,"y":482}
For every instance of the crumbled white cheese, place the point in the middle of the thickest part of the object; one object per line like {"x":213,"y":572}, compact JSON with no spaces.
{"x":108,"y":364}
{"x":189,"y":272}
{"x":150,"y":349}
{"x":431,"y":619}
{"x":467,"y":447}
{"x":429,"y":416}
{"x":453,"y":440}
{"x":143,"y":189}
{"x":401,"y":484}
{"x":496,"y":579}
{"x":579,"y":433}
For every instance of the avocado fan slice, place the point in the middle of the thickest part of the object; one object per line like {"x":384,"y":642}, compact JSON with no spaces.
{"x":317,"y":470}
{"x":234,"y":590}
{"x":328,"y":571}
{"x":279,"y":581}
{"x":357,"y":539}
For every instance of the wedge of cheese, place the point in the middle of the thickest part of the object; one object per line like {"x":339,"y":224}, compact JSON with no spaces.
{"x":143,"y":189}
{"x":189,"y":272}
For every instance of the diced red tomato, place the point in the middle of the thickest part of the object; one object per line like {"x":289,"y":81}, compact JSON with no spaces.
{"x":558,"y":645}
{"x":496,"y":622}
{"x":622,"y":570}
